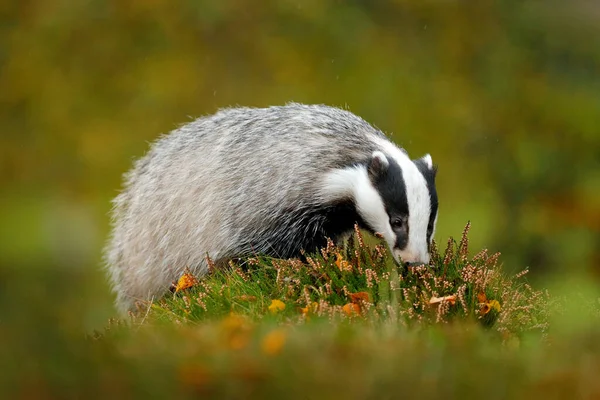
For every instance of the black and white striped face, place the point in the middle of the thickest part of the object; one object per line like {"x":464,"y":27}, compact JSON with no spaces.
{"x":399,"y":200}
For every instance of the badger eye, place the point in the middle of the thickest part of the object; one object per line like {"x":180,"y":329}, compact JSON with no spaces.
{"x":397,"y":223}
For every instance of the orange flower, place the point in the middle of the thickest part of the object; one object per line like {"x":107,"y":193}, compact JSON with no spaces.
{"x":357,"y":297}
{"x":351,"y":309}
{"x":186,"y":281}
{"x":273,"y":342}
{"x":276,"y":306}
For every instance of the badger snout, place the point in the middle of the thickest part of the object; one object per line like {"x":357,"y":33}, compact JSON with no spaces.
{"x":409,"y":259}
{"x":413,"y":264}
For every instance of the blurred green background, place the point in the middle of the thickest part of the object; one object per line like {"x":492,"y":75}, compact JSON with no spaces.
{"x":505,"y":95}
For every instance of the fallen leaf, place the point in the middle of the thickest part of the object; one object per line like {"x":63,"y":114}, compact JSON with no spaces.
{"x":485,"y":308}
{"x":450,"y":299}
{"x":358,"y":297}
{"x":481,"y":297}
{"x":351,"y":309}
{"x":276,"y":306}
{"x":342,"y":264}
{"x":186,"y":281}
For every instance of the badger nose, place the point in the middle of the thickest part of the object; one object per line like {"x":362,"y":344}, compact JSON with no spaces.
{"x":413,"y":264}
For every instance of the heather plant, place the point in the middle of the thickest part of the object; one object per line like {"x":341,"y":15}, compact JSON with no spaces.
{"x":358,"y":281}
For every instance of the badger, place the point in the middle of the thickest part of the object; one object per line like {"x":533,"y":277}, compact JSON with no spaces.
{"x":277,"y":181}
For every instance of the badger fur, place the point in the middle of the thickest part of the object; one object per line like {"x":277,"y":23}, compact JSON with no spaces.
{"x":271,"y":181}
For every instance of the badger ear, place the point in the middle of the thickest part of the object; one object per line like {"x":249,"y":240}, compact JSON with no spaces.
{"x":428,"y":161}
{"x":426,"y":166}
{"x":378,"y":165}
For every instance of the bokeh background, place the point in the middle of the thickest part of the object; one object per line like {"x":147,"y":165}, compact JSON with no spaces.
{"x":505,"y":95}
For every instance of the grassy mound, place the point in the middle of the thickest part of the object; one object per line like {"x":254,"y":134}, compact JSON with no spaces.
{"x":362,"y":282}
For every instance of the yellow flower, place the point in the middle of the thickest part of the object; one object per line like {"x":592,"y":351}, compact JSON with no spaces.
{"x":276,"y":306}
{"x":273,"y":342}
{"x":495,"y":305}
{"x":186,"y":281}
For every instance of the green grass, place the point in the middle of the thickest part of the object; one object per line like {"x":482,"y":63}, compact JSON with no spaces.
{"x":497,"y":337}
{"x":382,"y":291}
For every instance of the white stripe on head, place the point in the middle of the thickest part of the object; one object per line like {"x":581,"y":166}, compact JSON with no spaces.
{"x":354,"y":182}
{"x":419,"y":204}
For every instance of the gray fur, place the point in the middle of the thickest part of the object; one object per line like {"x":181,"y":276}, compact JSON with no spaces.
{"x":227,"y":185}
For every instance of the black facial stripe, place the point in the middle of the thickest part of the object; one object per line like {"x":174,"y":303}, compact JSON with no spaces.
{"x":429,"y":175}
{"x":392,"y":189}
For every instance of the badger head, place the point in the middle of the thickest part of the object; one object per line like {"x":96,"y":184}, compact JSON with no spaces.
{"x":397,"y":198}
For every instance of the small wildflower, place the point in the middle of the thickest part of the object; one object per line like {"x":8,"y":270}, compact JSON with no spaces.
{"x":522,"y":273}
{"x":276,"y":306}
{"x":359,"y":236}
{"x":200,"y":301}
{"x":463,"y":247}
{"x":273,"y":342}
{"x":187,"y":302}
{"x":449,"y":253}
{"x":211,"y":265}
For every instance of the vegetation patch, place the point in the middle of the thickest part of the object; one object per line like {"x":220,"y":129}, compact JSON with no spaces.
{"x":363,"y":282}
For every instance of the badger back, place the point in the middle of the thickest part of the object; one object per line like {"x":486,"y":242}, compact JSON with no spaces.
{"x":239,"y":182}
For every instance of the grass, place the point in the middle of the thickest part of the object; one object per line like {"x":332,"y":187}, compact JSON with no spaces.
{"x":361,"y":282}
{"x":346,"y":323}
